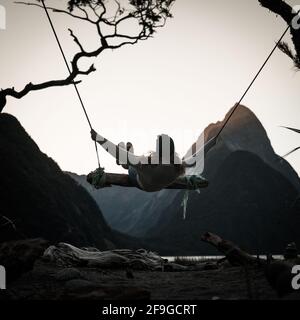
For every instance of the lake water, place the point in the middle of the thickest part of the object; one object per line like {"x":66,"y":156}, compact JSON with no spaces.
{"x":209,"y":258}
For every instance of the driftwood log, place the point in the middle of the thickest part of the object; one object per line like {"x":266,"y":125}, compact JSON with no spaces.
{"x":66,"y":255}
{"x":233,"y":253}
{"x":278,"y":272}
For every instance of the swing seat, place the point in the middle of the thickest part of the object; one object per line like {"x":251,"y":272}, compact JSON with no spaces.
{"x":99,"y":179}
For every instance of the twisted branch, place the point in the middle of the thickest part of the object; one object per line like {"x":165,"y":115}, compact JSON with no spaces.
{"x":148,"y":14}
{"x":286,"y":12}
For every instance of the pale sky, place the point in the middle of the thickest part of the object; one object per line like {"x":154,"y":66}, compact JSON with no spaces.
{"x":188,"y":76}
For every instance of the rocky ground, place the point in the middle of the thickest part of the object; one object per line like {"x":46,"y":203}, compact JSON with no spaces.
{"x":50,"y":282}
{"x":64,"y":272}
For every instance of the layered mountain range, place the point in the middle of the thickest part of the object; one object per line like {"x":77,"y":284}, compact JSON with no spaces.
{"x":250,"y":199}
{"x":38,"y":200}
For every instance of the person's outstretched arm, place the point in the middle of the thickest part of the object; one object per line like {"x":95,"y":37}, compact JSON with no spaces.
{"x":117,"y":151}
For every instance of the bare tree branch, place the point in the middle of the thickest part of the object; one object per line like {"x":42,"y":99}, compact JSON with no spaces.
{"x":87,"y":72}
{"x":84,"y":12}
{"x":76,"y":40}
{"x":94,"y":9}
{"x":55,"y":10}
{"x":8,"y":222}
{"x":149,"y":14}
{"x":286,"y":12}
{"x":280,"y":8}
{"x":233,"y":253}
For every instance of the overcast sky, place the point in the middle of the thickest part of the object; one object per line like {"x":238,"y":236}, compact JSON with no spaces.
{"x":188,"y":76}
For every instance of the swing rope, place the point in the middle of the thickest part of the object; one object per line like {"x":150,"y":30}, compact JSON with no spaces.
{"x":75,"y":86}
{"x":252,"y":82}
{"x":225,"y":123}
{"x":186,"y":195}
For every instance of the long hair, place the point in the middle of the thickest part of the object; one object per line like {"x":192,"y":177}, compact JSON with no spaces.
{"x":165,"y":148}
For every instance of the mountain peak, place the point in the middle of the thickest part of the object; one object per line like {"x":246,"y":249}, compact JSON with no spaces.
{"x":244,"y":132}
{"x":239,"y":118}
{"x":40,"y":199}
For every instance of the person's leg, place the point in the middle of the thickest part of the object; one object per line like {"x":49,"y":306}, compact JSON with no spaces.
{"x":116,"y":151}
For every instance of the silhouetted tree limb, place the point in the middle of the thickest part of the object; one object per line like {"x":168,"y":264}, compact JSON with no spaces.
{"x":148,"y":15}
{"x":233,"y":253}
{"x":286,"y":12}
{"x":7,"y":222}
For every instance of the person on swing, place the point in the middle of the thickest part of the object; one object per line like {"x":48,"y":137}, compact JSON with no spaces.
{"x":151,"y":172}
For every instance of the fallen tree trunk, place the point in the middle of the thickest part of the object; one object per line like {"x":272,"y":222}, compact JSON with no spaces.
{"x":278,"y":273}
{"x":233,"y":253}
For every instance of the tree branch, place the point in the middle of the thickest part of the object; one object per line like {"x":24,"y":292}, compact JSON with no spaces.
{"x":286,"y":12}
{"x":84,"y":12}
{"x":7,"y":222}
{"x":149,"y":14}
{"x":94,"y":9}
{"x":280,"y":8}
{"x":76,"y":40}
{"x":87,"y":72}
{"x":233,"y":253}
{"x":56,"y":11}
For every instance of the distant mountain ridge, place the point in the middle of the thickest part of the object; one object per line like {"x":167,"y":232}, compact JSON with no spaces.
{"x":242,"y":162}
{"x":245,"y":132}
{"x":247,"y":201}
{"x":121,"y":207}
{"x":41,"y":200}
